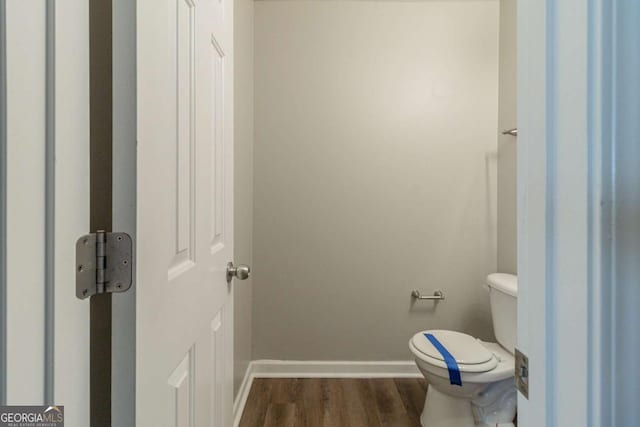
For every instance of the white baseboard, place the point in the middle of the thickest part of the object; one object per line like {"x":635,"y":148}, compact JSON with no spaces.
{"x":243,"y":393}
{"x":318,"y":369}
{"x":334,"y":369}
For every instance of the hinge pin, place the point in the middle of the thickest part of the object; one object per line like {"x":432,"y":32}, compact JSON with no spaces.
{"x":100,"y":261}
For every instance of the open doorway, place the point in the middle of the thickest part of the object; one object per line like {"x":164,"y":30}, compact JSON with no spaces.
{"x":380,"y":168}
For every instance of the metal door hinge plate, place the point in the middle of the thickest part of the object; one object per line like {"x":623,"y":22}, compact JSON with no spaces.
{"x":104,"y":263}
{"x":522,"y":373}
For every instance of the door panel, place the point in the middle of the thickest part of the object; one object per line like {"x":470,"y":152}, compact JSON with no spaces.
{"x":184,"y":227}
{"x":26,"y":132}
{"x":217,"y":151}
{"x":185,"y":139}
{"x":180,"y":399}
{"x":71,"y":357}
{"x":47,"y":116}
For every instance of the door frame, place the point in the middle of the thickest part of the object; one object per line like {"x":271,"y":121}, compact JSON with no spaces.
{"x":573,"y":76}
{"x":48,"y":343}
{"x":124,"y":182}
{"x":3,"y":200}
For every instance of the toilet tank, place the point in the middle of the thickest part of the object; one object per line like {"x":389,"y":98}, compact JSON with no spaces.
{"x":503,"y":296}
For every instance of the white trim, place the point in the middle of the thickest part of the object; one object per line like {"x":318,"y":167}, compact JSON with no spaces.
{"x":3,"y":202}
{"x":50,"y":206}
{"x":243,"y":393}
{"x":601,"y":209}
{"x":334,"y":369}
{"x":318,"y":369}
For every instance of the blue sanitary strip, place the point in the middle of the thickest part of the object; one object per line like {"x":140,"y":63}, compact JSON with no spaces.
{"x":452,"y":365}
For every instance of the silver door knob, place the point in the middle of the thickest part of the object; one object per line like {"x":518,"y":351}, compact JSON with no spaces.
{"x":241,"y":272}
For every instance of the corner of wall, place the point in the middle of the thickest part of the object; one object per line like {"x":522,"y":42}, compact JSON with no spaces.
{"x":243,"y":185}
{"x":507,"y":144}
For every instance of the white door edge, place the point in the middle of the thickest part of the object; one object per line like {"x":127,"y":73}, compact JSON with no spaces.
{"x":567,"y":206}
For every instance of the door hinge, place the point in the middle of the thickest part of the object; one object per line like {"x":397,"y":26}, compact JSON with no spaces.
{"x":104,"y":263}
{"x":522,"y":373}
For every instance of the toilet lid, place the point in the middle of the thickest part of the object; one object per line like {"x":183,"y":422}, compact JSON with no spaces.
{"x":506,"y":283}
{"x":464,"y":348}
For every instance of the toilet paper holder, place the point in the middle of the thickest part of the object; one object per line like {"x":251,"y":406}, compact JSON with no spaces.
{"x":437,"y":295}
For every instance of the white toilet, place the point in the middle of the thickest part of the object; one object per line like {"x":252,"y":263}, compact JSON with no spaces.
{"x":486,"y":396}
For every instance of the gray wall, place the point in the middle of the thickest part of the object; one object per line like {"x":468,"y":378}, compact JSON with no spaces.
{"x":507,"y":218}
{"x":243,"y":175}
{"x":375,"y":173}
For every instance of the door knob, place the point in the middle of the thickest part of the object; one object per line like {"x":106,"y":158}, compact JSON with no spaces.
{"x":241,"y":272}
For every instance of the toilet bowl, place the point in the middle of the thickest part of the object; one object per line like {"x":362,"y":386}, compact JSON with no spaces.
{"x":471,"y":382}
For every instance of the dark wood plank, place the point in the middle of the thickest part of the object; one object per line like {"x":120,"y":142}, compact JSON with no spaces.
{"x":322,"y":402}
{"x":390,"y":406}
{"x":285,"y":390}
{"x":360,"y":404}
{"x":255,"y":410}
{"x":309,"y":403}
{"x":280,"y":415}
{"x":333,"y":399}
{"x":412,"y":394}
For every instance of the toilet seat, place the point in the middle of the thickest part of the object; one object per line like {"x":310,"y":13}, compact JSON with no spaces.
{"x":477,"y":361}
{"x":470,"y":355}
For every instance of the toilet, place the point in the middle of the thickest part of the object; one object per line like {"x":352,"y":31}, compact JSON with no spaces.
{"x":471,"y":382}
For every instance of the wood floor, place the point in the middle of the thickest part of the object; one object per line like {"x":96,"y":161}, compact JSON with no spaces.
{"x":323,"y":402}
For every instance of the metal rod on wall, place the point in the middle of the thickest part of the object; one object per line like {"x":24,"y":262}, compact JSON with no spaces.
{"x":437,"y":295}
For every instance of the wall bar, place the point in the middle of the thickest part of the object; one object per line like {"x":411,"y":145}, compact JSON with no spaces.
{"x":3,"y":202}
{"x":50,"y":206}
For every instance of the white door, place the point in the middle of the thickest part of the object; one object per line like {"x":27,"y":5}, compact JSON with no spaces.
{"x":44,"y":131}
{"x":184,"y":213}
{"x":567,"y":130}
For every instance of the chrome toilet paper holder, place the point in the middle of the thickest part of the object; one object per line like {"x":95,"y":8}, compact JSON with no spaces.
{"x":437,"y":295}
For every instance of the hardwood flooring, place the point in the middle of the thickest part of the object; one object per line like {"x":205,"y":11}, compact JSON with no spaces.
{"x":327,"y":402}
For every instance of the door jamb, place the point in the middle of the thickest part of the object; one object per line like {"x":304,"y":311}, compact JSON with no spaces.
{"x":101,"y":135}
{"x":3,"y":201}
